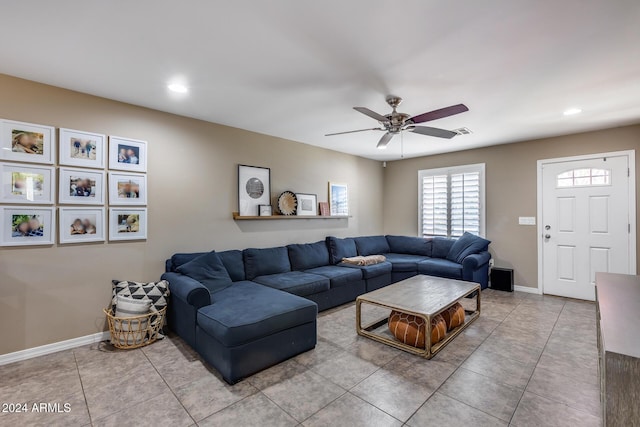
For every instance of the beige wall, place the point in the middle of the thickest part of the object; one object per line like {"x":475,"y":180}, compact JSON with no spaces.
{"x":510,"y":190}
{"x":49,"y":294}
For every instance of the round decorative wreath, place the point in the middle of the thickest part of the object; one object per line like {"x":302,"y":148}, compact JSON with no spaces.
{"x":287,"y":203}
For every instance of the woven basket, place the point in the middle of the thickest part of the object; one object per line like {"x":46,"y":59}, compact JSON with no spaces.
{"x":134,"y":332}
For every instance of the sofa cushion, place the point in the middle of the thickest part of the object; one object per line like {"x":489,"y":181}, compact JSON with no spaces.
{"x":208,"y":270}
{"x":440,"y":247}
{"x":234,"y":264}
{"x":404,"y":262}
{"x":441,"y":268}
{"x":341,"y":248}
{"x":182,"y":258}
{"x":262,"y":262}
{"x":467,"y":244}
{"x":409,"y":245}
{"x":247,"y":311}
{"x":371,"y":271}
{"x":372,"y":245}
{"x":295,"y":282}
{"x":311,"y":255}
{"x":337,"y":276}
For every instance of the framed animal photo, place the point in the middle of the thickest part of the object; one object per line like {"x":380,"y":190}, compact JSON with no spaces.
{"x":81,"y":187}
{"x":127,"y":154}
{"x":27,"y":184}
{"x":80,"y":225}
{"x":127,"y":189}
{"x":27,"y":142}
{"x":27,"y":226}
{"x":127,"y":223}
{"x":82,"y":149}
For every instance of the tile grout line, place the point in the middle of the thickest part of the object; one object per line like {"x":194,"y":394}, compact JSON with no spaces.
{"x":84,"y":395}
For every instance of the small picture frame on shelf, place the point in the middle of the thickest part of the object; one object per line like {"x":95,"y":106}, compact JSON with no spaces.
{"x":324,"y":209}
{"x":81,"y":225}
{"x":254,"y":189}
{"x":338,"y":199}
{"x":265,"y":210}
{"x":127,"y":188}
{"x":127,"y":223}
{"x":22,"y":183}
{"x":27,"y":226}
{"x":307,"y":204}
{"x":127,"y":154}
{"x":82,"y":149}
{"x":27,"y":142}
{"x":81,"y":187}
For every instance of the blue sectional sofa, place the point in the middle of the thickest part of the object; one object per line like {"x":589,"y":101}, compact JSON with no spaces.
{"x":244,"y":311}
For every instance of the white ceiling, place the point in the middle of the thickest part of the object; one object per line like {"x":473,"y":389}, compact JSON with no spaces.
{"x":295,"y":69}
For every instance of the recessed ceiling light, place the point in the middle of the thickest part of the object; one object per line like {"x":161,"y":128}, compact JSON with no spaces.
{"x":178,"y":88}
{"x":572,"y":111}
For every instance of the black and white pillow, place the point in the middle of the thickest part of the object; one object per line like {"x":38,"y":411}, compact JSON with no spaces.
{"x":156,"y":292}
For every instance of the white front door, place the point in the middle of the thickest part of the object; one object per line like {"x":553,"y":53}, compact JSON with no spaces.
{"x":585,"y":223}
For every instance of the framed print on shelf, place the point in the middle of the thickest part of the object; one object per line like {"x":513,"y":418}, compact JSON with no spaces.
{"x":82,"y":149}
{"x":81,"y":187}
{"x":338,"y":199}
{"x":27,"y":142}
{"x":127,"y":154}
{"x":80,"y":225}
{"x":22,"y":183}
{"x":127,"y":223}
{"x":254,"y":189}
{"x":127,"y":189}
{"x":27,"y":226}
{"x":307,"y":204}
{"x":265,"y":210}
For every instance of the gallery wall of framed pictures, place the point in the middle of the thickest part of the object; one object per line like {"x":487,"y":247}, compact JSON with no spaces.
{"x":95,"y":191}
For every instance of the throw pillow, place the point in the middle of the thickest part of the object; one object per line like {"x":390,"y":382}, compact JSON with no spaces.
{"x":365,"y":260}
{"x":209,"y":270}
{"x":156,"y":292}
{"x":466,"y":245}
{"x":136,"y":330}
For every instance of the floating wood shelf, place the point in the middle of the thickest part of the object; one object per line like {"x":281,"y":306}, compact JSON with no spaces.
{"x":237,"y":217}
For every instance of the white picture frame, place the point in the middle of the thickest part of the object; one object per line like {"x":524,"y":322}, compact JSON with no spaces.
{"x":127,"y":224}
{"x":307,"y":204}
{"x":338,"y":199}
{"x":123,"y":150}
{"x":82,"y":149}
{"x":91,"y":192}
{"x":254,"y":189}
{"x":81,"y":225}
{"x":27,"y":142}
{"x":39,"y":225}
{"x":127,"y":189}
{"x":27,"y":184}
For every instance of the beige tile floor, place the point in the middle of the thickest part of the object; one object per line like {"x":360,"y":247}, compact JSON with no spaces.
{"x":528,"y":361}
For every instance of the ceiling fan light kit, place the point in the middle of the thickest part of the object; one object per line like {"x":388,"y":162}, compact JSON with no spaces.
{"x":395,"y":123}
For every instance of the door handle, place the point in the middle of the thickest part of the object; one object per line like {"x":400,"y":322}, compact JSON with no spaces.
{"x":547,"y":236}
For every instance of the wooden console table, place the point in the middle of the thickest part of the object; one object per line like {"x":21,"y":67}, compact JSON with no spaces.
{"x":618,"y":314}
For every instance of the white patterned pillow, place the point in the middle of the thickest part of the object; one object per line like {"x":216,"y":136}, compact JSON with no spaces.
{"x":136,"y":330}
{"x":156,"y":292}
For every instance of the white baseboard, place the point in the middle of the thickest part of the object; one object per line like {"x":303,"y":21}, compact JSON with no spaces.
{"x":53,"y":347}
{"x":527,"y":289}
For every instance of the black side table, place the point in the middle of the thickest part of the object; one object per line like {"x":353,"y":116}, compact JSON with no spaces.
{"x":501,"y":279}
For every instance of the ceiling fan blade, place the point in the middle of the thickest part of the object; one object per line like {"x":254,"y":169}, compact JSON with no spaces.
{"x":439,"y":114}
{"x":372,"y":114}
{"x":385,"y":140}
{"x":426,"y":130}
{"x":352,"y":131}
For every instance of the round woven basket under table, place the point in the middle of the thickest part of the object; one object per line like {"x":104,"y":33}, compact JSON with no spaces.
{"x":134,"y":332}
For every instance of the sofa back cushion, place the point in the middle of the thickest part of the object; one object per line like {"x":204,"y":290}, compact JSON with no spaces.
{"x":341,"y":248}
{"x":308,"y":256}
{"x":440,"y":247}
{"x":208,"y":270}
{"x":262,"y":262}
{"x":466,"y":245}
{"x":372,"y":245}
{"x":234,"y":263}
{"x":177,"y":260}
{"x":409,"y":245}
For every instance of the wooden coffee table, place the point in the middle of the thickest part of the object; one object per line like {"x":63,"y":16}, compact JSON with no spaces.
{"x":421,"y":296}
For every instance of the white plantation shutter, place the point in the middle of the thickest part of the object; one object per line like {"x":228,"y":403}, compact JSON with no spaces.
{"x":451,"y":201}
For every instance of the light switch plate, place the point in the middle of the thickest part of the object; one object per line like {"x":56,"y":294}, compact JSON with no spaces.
{"x":527,"y":220}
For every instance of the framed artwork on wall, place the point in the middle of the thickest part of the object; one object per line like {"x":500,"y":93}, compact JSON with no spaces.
{"x":82,"y":149}
{"x":127,"y":223}
{"x":80,"y":225}
{"x":265,"y":210}
{"x":22,"y":183}
{"x":81,"y":187}
{"x":27,"y":142}
{"x":254,"y":189}
{"x":127,"y":189}
{"x":27,"y":226}
{"x":127,"y":154}
{"x":307,"y":204}
{"x":338,"y":199}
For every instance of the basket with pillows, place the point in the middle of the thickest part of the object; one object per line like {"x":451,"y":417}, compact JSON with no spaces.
{"x":137,"y":313}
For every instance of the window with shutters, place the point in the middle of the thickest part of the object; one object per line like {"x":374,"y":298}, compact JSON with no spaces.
{"x":451,"y":201}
